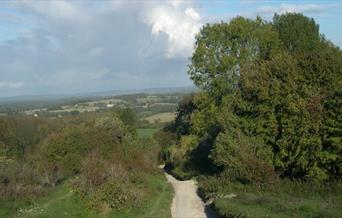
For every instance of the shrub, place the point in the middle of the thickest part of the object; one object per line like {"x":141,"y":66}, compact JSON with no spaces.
{"x":19,"y":180}
{"x":181,"y":173}
{"x":242,"y":159}
{"x":119,"y":195}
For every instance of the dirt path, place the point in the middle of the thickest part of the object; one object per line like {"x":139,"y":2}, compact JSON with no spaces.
{"x":186,"y":202}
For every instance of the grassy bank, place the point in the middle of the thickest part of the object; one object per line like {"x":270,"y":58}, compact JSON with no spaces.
{"x":283,"y":199}
{"x":158,"y":205}
{"x":285,"y":205}
{"x":63,"y":203}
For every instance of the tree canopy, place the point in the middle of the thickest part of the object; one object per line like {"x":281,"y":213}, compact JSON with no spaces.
{"x":270,"y":99}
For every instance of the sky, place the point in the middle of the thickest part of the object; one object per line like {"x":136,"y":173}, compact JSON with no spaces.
{"x":67,"y":47}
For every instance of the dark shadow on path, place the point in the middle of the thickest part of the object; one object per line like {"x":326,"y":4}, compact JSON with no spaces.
{"x":210,"y":212}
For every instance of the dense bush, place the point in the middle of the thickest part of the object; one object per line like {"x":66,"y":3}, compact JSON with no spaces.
{"x":99,"y":156}
{"x":112,"y":181}
{"x":20,"y":177}
{"x":119,"y":195}
{"x":165,"y":139}
{"x":19,"y":180}
{"x":19,"y":134}
{"x":113,"y":173}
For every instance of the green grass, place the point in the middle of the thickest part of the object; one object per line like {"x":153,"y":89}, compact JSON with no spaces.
{"x":298,"y":202}
{"x":159,"y":204}
{"x":9,"y":206}
{"x":146,"y":133}
{"x":63,"y":203}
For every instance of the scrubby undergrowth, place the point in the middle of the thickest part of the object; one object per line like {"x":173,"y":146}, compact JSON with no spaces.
{"x":100,"y":159}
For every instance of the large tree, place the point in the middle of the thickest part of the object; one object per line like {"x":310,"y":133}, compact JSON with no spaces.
{"x":271,"y":97}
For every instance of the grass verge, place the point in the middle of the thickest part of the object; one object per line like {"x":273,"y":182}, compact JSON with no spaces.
{"x":283,"y":199}
{"x":63,"y":203}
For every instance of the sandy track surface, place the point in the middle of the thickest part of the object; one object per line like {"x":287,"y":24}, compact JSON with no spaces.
{"x":186,"y":202}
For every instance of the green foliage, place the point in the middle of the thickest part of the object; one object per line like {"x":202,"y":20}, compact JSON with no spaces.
{"x":269,"y":109}
{"x":182,"y":123}
{"x":270,"y":101}
{"x":165,"y":139}
{"x":101,"y":157}
{"x":296,"y":202}
{"x":127,"y":117}
{"x":63,"y":198}
{"x":110,"y":176}
{"x":242,"y":161}
{"x":332,"y":140}
{"x":181,"y":173}
{"x":112,"y":127}
{"x":110,"y":183}
{"x":296,"y":31}
{"x":178,"y":157}
{"x":222,"y":49}
{"x":281,"y":198}
{"x":18,"y":135}
{"x":67,"y":148}
{"x":19,"y":180}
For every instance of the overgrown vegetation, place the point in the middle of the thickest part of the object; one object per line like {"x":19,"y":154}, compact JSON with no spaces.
{"x":98,"y":158}
{"x":268,"y":113}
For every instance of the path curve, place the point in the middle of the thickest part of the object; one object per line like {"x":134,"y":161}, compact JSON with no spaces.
{"x":186,"y":202}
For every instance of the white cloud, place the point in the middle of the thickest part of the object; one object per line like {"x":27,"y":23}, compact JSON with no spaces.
{"x":190,"y":12}
{"x":78,"y":46}
{"x":180,"y":24}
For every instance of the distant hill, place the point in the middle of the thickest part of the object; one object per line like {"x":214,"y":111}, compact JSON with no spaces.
{"x":184,"y":89}
{"x":80,"y":96}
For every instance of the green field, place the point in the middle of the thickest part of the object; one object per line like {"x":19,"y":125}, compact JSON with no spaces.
{"x":63,"y":203}
{"x":146,"y":133}
{"x":161,"y":117}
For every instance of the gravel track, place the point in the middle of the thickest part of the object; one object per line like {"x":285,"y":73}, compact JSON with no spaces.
{"x":186,"y":202}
